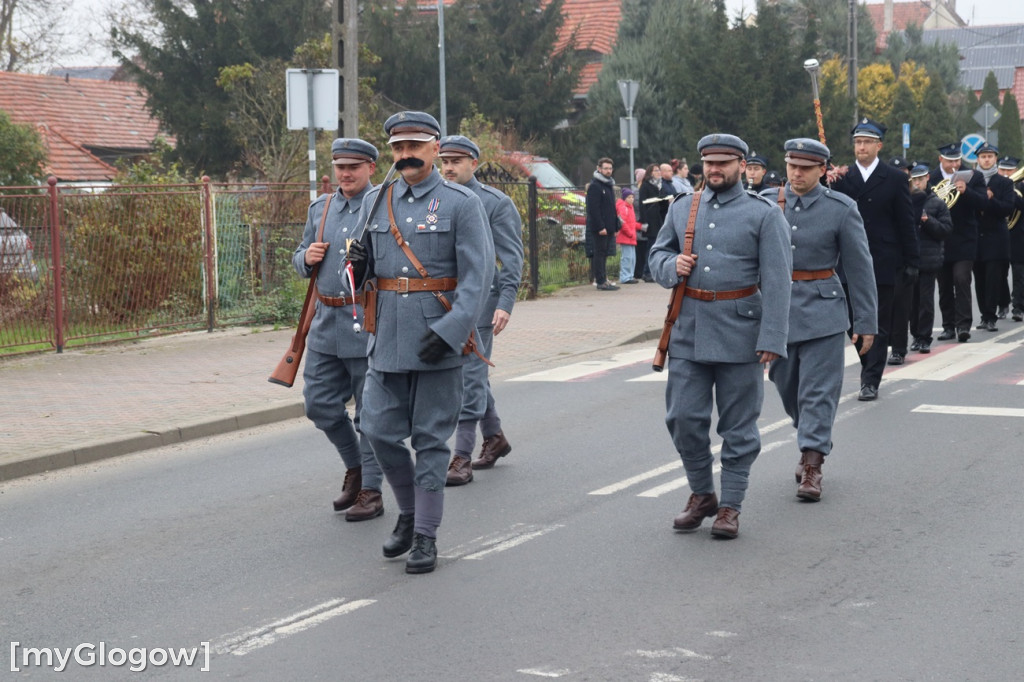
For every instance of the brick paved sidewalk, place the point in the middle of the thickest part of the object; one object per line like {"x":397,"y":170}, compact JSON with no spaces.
{"x":58,"y":410}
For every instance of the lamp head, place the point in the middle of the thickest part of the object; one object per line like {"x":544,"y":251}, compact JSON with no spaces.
{"x":811,"y":65}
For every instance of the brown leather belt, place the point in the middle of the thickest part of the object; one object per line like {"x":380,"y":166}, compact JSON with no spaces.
{"x":338,"y":301}
{"x":709,"y":295}
{"x":806,"y":275}
{"x":406,"y":284}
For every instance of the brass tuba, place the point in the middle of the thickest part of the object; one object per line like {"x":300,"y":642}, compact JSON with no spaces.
{"x":1015,"y":177}
{"x":946,"y":191}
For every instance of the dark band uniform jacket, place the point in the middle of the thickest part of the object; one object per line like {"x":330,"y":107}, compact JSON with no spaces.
{"x":331,"y":331}
{"x":932,"y":233}
{"x":823,"y":225}
{"x":963,"y":243}
{"x":1017,"y":231}
{"x":884,"y":205}
{"x":993,"y":234}
{"x":428,"y":215}
{"x":740,"y":239}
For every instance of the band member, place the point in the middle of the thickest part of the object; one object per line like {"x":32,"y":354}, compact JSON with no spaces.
{"x":732,"y":322}
{"x":882,"y":194}
{"x":430,"y":250}
{"x":335,"y":352}
{"x":961,"y":248}
{"x":825,"y":227}
{"x":1007,"y":167}
{"x":757,"y":168}
{"x":459,"y":159}
{"x":934,"y":225}
{"x":992,"y":264}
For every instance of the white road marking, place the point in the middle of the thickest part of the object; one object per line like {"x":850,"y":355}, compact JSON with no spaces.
{"x":519,"y":534}
{"x":958,"y":359}
{"x":639,"y":478}
{"x":720,"y":633}
{"x":580,"y":370}
{"x":970,"y":411}
{"x":669,"y":677}
{"x":248,"y":641}
{"x":674,"y":652}
{"x":560,"y":672}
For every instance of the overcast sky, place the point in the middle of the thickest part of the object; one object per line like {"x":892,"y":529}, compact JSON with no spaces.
{"x":86,"y":16}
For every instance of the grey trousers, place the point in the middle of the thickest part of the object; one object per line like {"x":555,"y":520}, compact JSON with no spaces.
{"x":329,"y":383}
{"x":477,"y":399}
{"x":738,"y":392}
{"x":809,"y":383}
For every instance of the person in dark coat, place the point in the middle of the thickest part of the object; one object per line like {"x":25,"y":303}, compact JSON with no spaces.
{"x":992,"y":265}
{"x":1007,"y":167}
{"x":651,"y":217}
{"x":602,"y":221}
{"x":934,"y":225}
{"x":882,"y":194}
{"x":960,"y":250}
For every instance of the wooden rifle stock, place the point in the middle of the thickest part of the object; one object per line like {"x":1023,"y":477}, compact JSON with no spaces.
{"x":675,"y":302}
{"x":288,"y":367}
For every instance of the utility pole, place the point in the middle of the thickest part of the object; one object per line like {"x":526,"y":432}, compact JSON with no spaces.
{"x":440,"y":61}
{"x":345,"y":56}
{"x":852,"y":53}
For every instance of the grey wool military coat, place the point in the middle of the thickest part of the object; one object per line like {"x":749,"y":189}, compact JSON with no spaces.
{"x":507,"y":234}
{"x":331,"y":331}
{"x":444,"y":225}
{"x":825,"y":228}
{"x":740,"y":239}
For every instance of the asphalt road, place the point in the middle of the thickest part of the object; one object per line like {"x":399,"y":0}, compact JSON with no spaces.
{"x":561,"y":561}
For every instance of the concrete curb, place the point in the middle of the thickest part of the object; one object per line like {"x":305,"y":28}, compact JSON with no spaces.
{"x":126,"y":445}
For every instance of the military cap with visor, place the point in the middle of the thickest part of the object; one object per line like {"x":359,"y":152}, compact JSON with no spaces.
{"x":869,"y":128}
{"x":988,"y":149}
{"x":1009,"y":162}
{"x":347,"y":150}
{"x":804,"y":151}
{"x":459,"y":145}
{"x":722,"y":147}
{"x":951,"y":151}
{"x":757,"y":160}
{"x":919,"y":171}
{"x":414,"y":126}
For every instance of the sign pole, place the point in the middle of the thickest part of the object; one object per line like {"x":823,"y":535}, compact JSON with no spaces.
{"x":311,"y":135}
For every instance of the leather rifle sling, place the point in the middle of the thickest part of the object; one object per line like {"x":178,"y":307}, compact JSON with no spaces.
{"x":679,"y":290}
{"x":308,"y":307}
{"x":470,"y":346}
{"x":782,"y":199}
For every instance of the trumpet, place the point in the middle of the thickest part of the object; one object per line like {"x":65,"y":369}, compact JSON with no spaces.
{"x":1015,"y":177}
{"x":946,"y":191}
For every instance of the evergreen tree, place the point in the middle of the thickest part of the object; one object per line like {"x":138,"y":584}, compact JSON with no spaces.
{"x":406,"y":72}
{"x":964,"y":104}
{"x":1009,"y":127}
{"x":933,"y":126}
{"x":904,"y":110}
{"x":990,"y":91}
{"x":180,"y":66}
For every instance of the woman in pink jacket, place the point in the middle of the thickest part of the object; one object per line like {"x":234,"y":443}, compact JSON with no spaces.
{"x":626,"y":236}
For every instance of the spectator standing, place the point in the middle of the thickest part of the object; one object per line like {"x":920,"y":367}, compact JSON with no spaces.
{"x":651,"y":219}
{"x":626,"y":237}
{"x":602,"y":221}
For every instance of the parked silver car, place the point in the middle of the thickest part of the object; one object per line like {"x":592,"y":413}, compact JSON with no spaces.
{"x":16,"y":256}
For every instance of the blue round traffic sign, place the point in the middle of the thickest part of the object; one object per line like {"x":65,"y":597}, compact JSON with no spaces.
{"x":970,"y":145}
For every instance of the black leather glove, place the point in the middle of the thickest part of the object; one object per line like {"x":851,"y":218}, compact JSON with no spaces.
{"x":357,"y":257}
{"x":434,"y":348}
{"x":910,"y":274}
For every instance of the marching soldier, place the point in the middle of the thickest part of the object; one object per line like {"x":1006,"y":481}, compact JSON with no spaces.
{"x":757,"y":168}
{"x":430,"y":250}
{"x":335,"y":353}
{"x":1007,"y":167}
{"x":825,"y":227}
{"x":992,"y":264}
{"x":459,"y":159}
{"x":728,"y":327}
{"x":961,"y":248}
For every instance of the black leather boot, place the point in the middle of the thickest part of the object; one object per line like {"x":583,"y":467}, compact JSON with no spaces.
{"x":400,"y":541}
{"x":423,"y":557}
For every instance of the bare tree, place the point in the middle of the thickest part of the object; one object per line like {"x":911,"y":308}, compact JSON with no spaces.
{"x":32,"y":33}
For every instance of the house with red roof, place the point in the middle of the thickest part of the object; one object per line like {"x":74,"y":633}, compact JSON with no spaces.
{"x":87,"y":125}
{"x":888,"y":16}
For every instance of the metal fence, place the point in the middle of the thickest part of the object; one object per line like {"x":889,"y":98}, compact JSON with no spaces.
{"x":81,"y":265}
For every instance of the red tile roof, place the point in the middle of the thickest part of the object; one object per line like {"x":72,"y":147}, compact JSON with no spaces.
{"x":903,"y":14}
{"x":71,"y":162}
{"x":107,"y":118}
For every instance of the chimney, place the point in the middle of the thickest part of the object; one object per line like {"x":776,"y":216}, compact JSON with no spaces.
{"x":887,"y":18}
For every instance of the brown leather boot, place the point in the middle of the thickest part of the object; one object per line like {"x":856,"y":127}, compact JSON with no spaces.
{"x":800,"y":466}
{"x":491,"y":450}
{"x":349,"y":489}
{"x":727,"y":523}
{"x":369,"y":505}
{"x":459,"y":471}
{"x":698,"y":508}
{"x":810,"y":481}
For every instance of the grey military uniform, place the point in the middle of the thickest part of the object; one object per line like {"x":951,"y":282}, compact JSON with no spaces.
{"x":506,"y":231}
{"x":825,"y":228}
{"x":740,"y":240}
{"x":335,"y":364}
{"x":445,"y":227}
